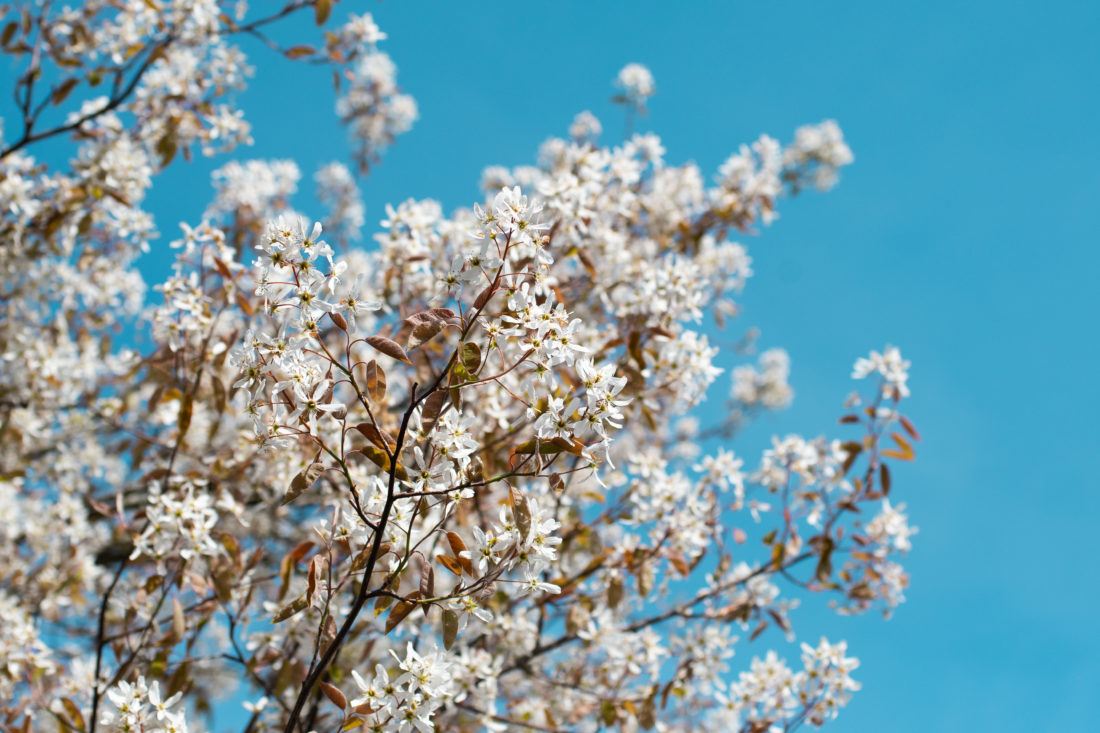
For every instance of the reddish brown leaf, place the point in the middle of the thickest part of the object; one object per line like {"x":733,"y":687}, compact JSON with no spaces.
{"x":334,"y":695}
{"x":424,"y":332}
{"x":8,"y":33}
{"x":376,"y":382}
{"x":244,"y":303}
{"x":390,"y":348}
{"x":909,"y":428}
{"x":303,"y":481}
{"x":184,"y":418}
{"x":63,"y":90}
{"x":458,"y":547}
{"x":311,"y":579}
{"x":297,"y":52}
{"x":431,"y":409}
{"x":484,"y":296}
{"x":679,"y":563}
{"x":400,"y":611}
{"x":521,"y":512}
{"x":587,"y":262}
{"x":427,"y":578}
{"x":450,"y":563}
{"x":380,"y":438}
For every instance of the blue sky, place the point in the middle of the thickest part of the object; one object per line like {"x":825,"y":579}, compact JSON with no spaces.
{"x":964,"y":233}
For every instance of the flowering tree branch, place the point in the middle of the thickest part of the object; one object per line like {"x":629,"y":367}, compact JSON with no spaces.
{"x":492,"y":418}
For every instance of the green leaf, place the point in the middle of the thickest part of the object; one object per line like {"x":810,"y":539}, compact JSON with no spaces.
{"x":470,"y":356}
{"x":8,"y":33}
{"x":296,"y":606}
{"x":450,"y":628}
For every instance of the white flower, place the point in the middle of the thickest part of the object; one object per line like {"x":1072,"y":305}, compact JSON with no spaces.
{"x":636,"y":81}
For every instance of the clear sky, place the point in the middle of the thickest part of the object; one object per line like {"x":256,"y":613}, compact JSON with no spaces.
{"x":964,"y":233}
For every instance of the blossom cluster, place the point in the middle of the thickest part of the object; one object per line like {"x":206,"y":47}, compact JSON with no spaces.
{"x":25,"y":655}
{"x":372,"y":106}
{"x":139,"y":706}
{"x":770,"y":692}
{"x":178,"y":521}
{"x":637,"y":85}
{"x":889,"y":365}
{"x":766,"y":386}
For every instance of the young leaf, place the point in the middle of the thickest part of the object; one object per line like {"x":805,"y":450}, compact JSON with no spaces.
{"x":303,"y":481}
{"x":297,"y":52}
{"x":427,"y":580}
{"x":424,"y":332}
{"x":485,"y":296}
{"x":8,"y":33}
{"x":614,"y":591}
{"x":398,"y":614}
{"x":450,"y":563}
{"x":184,"y":419}
{"x":297,"y":605}
{"x":450,"y":628}
{"x":376,"y":382}
{"x":430,"y":410}
{"x":679,"y":563}
{"x":179,"y":626}
{"x":909,"y":427}
{"x":470,"y":356}
{"x":905,"y":454}
{"x":388,"y":347}
{"x":334,"y":695}
{"x":380,"y":459}
{"x":311,"y":579}
{"x":63,"y":91}
{"x":522,"y":513}
{"x":73,"y":711}
{"x":824,"y":562}
{"x":457,"y":548}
